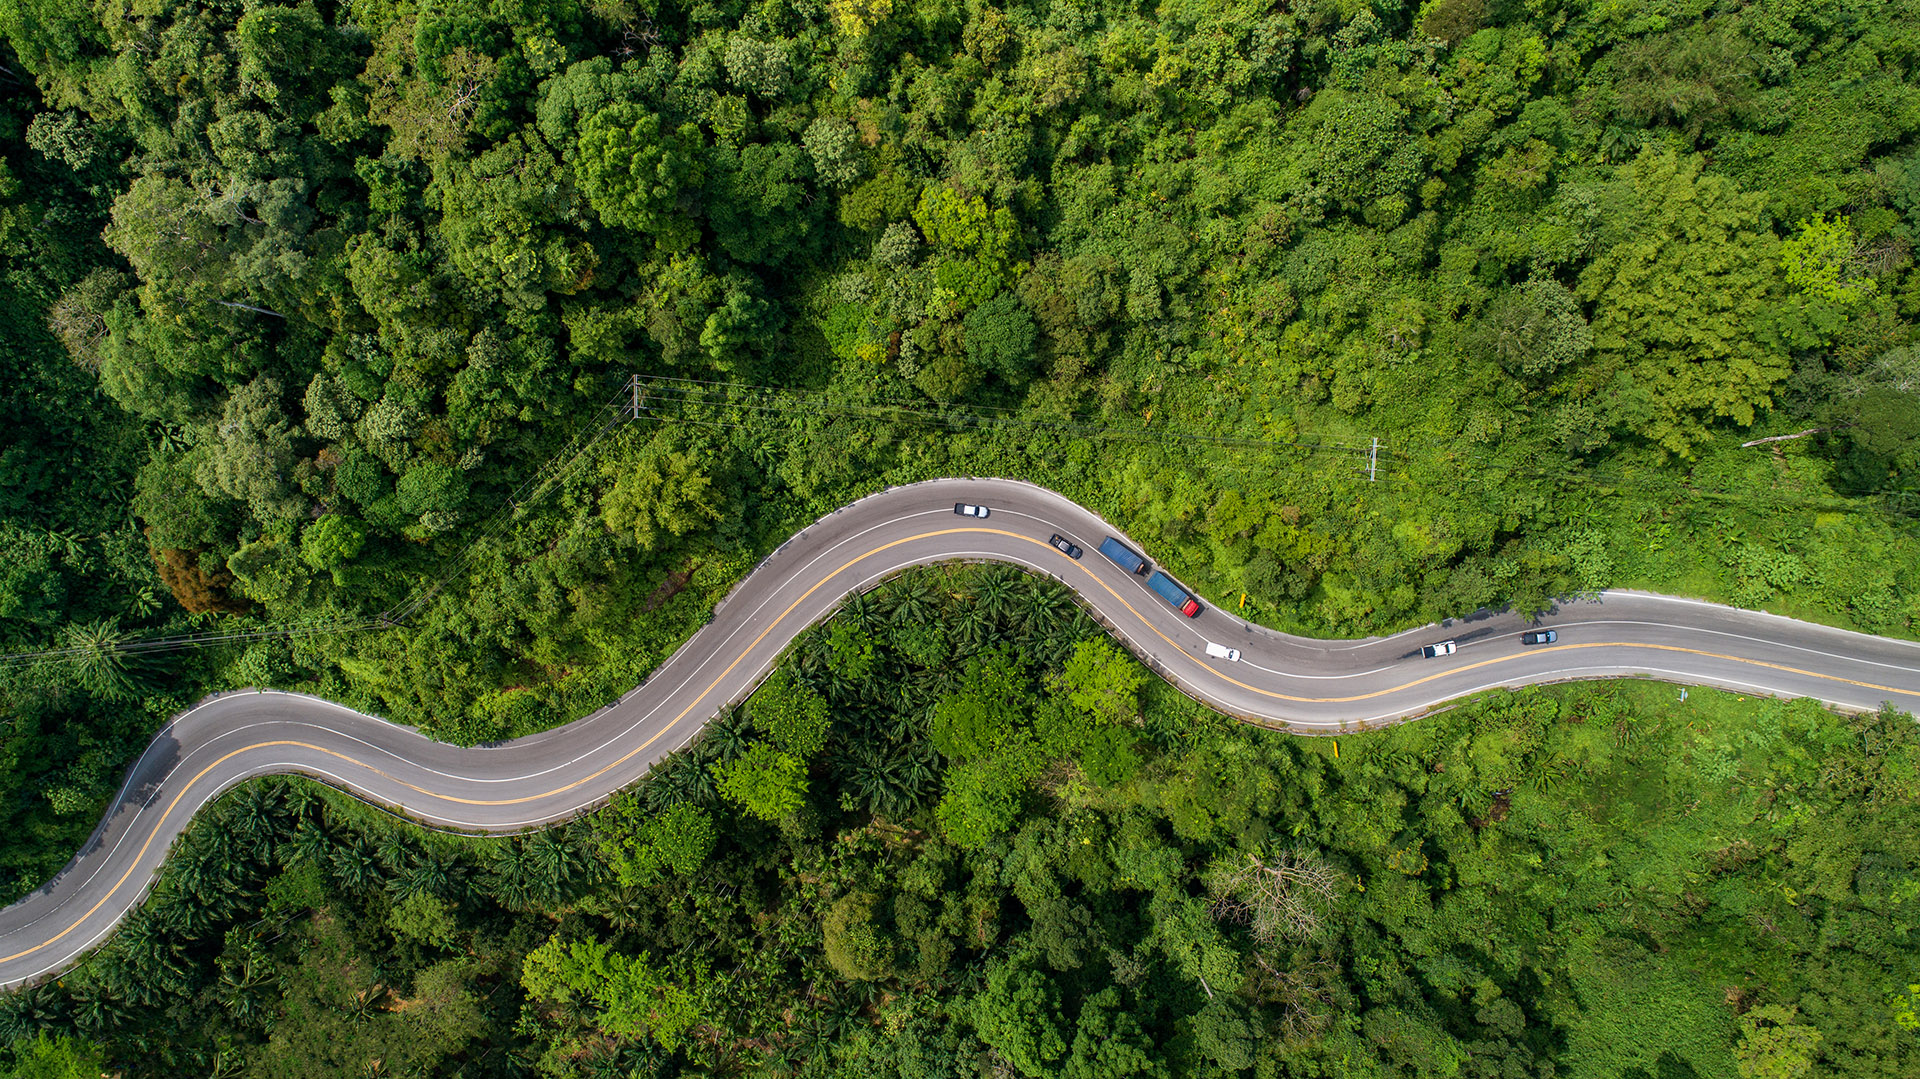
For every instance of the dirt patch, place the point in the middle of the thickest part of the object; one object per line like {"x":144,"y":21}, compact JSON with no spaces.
{"x":675,"y":583}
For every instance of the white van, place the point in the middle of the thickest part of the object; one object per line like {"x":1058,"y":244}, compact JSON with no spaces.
{"x":1221,"y":651}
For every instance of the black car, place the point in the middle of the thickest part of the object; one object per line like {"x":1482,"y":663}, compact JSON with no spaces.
{"x":1066,"y":548}
{"x":1539,"y":636}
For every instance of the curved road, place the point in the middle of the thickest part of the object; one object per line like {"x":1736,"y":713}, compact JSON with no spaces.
{"x":1307,"y":685}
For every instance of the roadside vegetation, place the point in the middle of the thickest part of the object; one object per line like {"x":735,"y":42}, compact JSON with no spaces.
{"x":309,"y":309}
{"x":961,"y":833}
{"x":300,"y":298}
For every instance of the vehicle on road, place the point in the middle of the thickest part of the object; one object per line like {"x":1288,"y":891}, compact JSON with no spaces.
{"x":1066,"y":547}
{"x":1122,"y":557}
{"x":1434,"y":651}
{"x":965,"y":510}
{"x":1221,"y":651}
{"x":1539,"y":636}
{"x":1174,"y":594}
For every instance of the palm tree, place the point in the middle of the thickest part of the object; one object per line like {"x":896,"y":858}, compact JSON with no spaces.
{"x":311,"y":843}
{"x":428,"y":874}
{"x":354,"y":864}
{"x":862,"y":610}
{"x":1041,"y":609}
{"x":976,"y":631}
{"x":997,"y":592}
{"x":726,"y":737}
{"x":101,"y":663}
{"x":96,"y":1009}
{"x":395,"y":853}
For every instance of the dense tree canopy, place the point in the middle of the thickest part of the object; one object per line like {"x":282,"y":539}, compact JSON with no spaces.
{"x":1596,"y":881}
{"x":1357,"y":314}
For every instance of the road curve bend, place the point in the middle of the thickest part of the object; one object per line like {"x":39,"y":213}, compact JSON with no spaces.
{"x":1311,"y":686}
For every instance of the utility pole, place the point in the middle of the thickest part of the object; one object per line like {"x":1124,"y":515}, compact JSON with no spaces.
{"x":633,"y":383}
{"x":1373,"y":458}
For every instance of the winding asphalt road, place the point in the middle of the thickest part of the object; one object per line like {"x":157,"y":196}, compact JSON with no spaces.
{"x":1307,"y":685}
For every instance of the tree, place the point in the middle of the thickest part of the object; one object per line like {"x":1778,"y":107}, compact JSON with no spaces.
{"x":1019,"y":1015}
{"x":250,"y":454}
{"x":57,"y":1056}
{"x":1108,"y":1043}
{"x":835,"y":150}
{"x":658,"y":495}
{"x":1533,"y":331}
{"x":632,"y":998}
{"x":1000,"y":338}
{"x":636,"y":174}
{"x":1102,"y":680}
{"x":1287,"y":894}
{"x":1773,"y":1045}
{"x":425,"y":918}
{"x":330,"y":542}
{"x":983,"y":710}
{"x":793,"y":715}
{"x":1821,"y":262}
{"x":857,"y":945}
{"x":1682,"y":319}
{"x":645,"y":846}
{"x":764,"y":781}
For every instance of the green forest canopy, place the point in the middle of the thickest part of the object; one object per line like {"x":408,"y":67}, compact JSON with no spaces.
{"x":305,"y":305}
{"x":1599,"y":881}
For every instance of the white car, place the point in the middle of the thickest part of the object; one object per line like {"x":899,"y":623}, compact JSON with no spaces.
{"x":965,"y":510}
{"x":1434,"y":651}
{"x":1221,"y":651}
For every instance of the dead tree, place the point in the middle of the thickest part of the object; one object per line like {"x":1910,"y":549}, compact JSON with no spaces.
{"x":1284,"y":895}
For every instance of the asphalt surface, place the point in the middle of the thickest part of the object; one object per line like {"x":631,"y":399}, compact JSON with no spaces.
{"x":1310,"y":686}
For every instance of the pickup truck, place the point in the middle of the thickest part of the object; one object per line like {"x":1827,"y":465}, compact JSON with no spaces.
{"x":1122,"y":557}
{"x":1173,"y":594}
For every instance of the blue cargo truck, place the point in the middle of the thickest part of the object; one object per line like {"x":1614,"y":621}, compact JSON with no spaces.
{"x":1173,"y":594}
{"x":1122,"y":557}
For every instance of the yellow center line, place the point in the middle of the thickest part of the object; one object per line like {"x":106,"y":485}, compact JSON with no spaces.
{"x":671,"y":724}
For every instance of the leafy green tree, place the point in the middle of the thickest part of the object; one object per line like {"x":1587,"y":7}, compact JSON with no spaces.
{"x":1000,"y":338}
{"x":835,"y":149}
{"x":792,"y":714}
{"x":658,"y":496}
{"x":56,"y":1056}
{"x":1681,"y":327}
{"x":764,"y":781}
{"x":1109,"y":1043}
{"x":636,"y":174}
{"x":976,"y":244}
{"x":631,"y":997}
{"x":647,"y":845}
{"x":1774,"y":1045}
{"x":250,"y":453}
{"x":1018,"y":1013}
{"x":331,"y":542}
{"x":857,"y":944}
{"x":1533,"y":331}
{"x":424,"y":918}
{"x":1820,"y":262}
{"x":1103,"y":681}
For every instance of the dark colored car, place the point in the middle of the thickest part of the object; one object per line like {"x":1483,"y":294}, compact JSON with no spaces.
{"x":1539,"y":636}
{"x":1066,"y":548}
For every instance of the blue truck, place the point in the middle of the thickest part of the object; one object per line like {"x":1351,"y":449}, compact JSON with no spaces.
{"x":1174,"y":594}
{"x":1122,"y":557}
